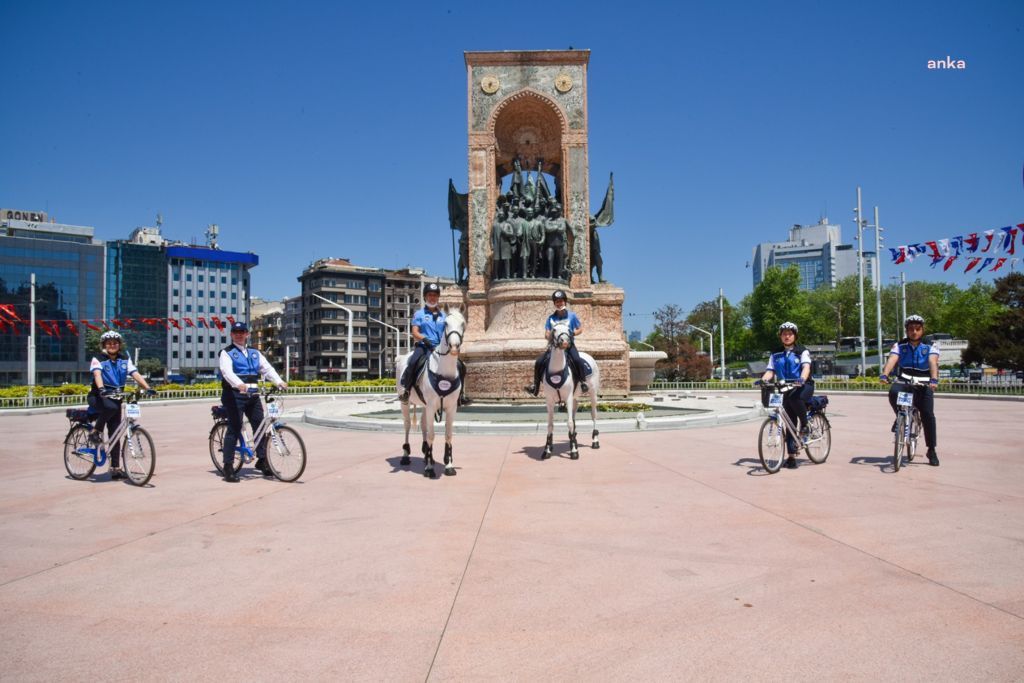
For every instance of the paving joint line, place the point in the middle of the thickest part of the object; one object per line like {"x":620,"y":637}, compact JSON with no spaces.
{"x":184,"y":523}
{"x":834,"y":540}
{"x":465,"y":569}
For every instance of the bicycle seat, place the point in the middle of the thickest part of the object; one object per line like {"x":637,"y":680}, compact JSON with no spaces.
{"x":817,"y":404}
{"x":83,"y":415}
{"x":218,"y":412}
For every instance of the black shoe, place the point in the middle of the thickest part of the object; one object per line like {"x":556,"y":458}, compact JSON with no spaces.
{"x":790,"y":463}
{"x":531,"y":390}
{"x":933,"y":459}
{"x":894,"y":423}
{"x":263,"y":467}
{"x":465,"y":400}
{"x":95,"y":437}
{"x":116,"y":474}
{"x":230,"y":477}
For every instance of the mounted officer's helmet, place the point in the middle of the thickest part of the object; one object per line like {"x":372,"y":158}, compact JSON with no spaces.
{"x":431,"y":287}
{"x":789,"y":326}
{"x":111,"y":335}
{"x":913,"y":319}
{"x":559,"y":295}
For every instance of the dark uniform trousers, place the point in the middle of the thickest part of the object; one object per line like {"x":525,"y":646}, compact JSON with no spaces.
{"x":239,"y":405}
{"x":108,"y":414}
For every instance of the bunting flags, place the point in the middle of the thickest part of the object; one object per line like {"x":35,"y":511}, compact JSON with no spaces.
{"x":947,"y":250}
{"x":9,"y":321}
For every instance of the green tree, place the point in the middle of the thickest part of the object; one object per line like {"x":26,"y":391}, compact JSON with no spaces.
{"x":1001,"y":342}
{"x":778,"y":298}
{"x":151,"y":366}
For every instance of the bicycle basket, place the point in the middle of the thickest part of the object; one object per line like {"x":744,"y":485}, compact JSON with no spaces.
{"x":817,"y":403}
{"x":218,"y":412}
{"x":84,"y":415}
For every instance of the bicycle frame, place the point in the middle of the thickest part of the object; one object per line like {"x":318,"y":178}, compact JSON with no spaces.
{"x":265,"y":428}
{"x":790,"y":430}
{"x":120,"y":435}
{"x":905,"y":404}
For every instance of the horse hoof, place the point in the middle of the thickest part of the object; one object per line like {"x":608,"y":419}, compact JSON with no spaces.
{"x":406,"y":461}
{"x":450,"y":472}
{"x":429,"y":473}
{"x":574,"y":455}
{"x":545,"y":455}
{"x":595,"y":445}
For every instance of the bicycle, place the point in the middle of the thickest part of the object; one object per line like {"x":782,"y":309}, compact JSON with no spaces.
{"x":138,"y":455}
{"x":287,"y":458}
{"x":777,"y":429}
{"x":908,"y":421}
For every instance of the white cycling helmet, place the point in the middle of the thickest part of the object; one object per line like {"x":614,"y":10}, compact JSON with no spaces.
{"x":789,"y":326}
{"x":111,"y":335}
{"x":913,"y":319}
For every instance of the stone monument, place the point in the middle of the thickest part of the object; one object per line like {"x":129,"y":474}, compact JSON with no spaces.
{"x":528,"y":115}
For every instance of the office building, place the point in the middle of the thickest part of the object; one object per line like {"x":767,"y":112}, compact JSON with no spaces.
{"x":68,"y":265}
{"x":136,"y":286}
{"x":817,"y":251}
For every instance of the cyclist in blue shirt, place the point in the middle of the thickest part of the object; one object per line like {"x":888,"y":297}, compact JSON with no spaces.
{"x":110,"y":372}
{"x":241,"y":367}
{"x":791,"y":363}
{"x":916,"y":359}
{"x":572,"y":353}
{"x":427,"y":329}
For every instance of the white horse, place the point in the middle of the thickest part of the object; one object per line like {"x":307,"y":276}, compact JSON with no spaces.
{"x":437,"y":388}
{"x":560,"y":387}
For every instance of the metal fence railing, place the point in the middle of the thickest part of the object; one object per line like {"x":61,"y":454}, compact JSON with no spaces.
{"x":946,"y":387}
{"x":181,"y":394}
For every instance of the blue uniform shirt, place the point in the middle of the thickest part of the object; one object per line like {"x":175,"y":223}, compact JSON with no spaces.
{"x":115,"y":372}
{"x":431,"y":324}
{"x":574,"y":322}
{"x":786,"y":364}
{"x":245,"y":365}
{"x":914,"y":360}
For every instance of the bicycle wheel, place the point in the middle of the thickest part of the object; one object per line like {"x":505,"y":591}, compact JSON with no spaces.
{"x":79,"y":464}
{"x":138,"y":456}
{"x":286,"y":454}
{"x":771,"y":445}
{"x":912,"y":435}
{"x":819,"y":438}
{"x":898,"y":442}
{"x":217,"y":448}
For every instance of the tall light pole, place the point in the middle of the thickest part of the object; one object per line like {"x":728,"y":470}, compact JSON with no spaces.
{"x":903,"y":286}
{"x":348,"y":358}
{"x":32,"y":339}
{"x":287,"y":363}
{"x":398,"y":339}
{"x":721,"y":328}
{"x":878,"y":288}
{"x":711,"y":342}
{"x":860,"y":276}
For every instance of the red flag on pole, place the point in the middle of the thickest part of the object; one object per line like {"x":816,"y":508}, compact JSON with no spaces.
{"x":89,"y":325}
{"x":217,"y":322}
{"x":949,"y":262}
{"x":71,"y":326}
{"x":175,"y":323}
{"x":189,"y":323}
{"x":999,"y":264}
{"x":202,"y":322}
{"x":8,"y":310}
{"x":973,"y":262}
{"x":231,"y":320}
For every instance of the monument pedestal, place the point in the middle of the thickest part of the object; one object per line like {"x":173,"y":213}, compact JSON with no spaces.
{"x":505,"y":335}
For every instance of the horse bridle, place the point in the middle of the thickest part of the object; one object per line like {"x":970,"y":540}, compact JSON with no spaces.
{"x":447,"y":340}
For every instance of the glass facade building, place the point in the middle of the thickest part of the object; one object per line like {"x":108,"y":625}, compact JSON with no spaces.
{"x":137,"y":289}
{"x":68,"y":266}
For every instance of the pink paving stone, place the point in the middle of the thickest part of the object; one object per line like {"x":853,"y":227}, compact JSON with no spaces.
{"x":664,"y":555}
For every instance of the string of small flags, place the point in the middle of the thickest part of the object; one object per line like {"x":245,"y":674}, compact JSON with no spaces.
{"x":948,"y":251}
{"x":11,"y":322}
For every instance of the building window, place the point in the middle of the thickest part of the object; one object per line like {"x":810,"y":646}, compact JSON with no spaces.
{"x":175,"y":292}
{"x":188,"y":338}
{"x":188,"y":308}
{"x":199,"y":354}
{"x":188,"y":277}
{"x":200,"y":277}
{"x":223,"y":279}
{"x":175,"y":307}
{"x":202,"y":309}
{"x":174,"y":339}
{"x":174,"y":354}
{"x":176,"y":276}
{"x":188,"y":354}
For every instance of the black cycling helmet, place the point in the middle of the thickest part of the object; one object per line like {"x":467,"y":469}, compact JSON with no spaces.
{"x":431,"y":287}
{"x":559,"y":294}
{"x":913,"y":319}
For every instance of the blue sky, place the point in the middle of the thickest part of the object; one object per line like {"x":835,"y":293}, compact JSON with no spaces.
{"x":323,"y":129}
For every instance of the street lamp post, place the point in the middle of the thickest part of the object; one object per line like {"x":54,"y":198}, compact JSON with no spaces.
{"x":860,"y":273}
{"x":348,"y":358}
{"x":711,"y":345}
{"x":32,"y":340}
{"x":398,"y":339}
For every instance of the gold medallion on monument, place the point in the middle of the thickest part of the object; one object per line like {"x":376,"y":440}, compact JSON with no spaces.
{"x":489,"y":84}
{"x":563,"y":83}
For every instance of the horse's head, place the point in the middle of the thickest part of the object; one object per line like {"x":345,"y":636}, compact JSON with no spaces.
{"x":454,"y":328}
{"x":561,"y":335}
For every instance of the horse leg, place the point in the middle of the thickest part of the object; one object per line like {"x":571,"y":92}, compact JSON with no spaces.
{"x":449,"y":423}
{"x":594,"y":443}
{"x":405,"y":446}
{"x":570,"y":407}
{"x":428,"y":443}
{"x":548,"y":445}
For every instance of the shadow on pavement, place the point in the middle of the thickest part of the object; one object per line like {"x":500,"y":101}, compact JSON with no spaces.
{"x":754,"y":467}
{"x":416,"y":465}
{"x":537,"y":452}
{"x":884,"y":463}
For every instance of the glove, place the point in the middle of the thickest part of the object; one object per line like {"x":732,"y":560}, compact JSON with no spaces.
{"x":884,"y":379}
{"x":799,"y":382}
{"x":758,"y":382}
{"x":150,"y":392}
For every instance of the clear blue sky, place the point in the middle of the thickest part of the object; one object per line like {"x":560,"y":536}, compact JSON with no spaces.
{"x":331,"y":129}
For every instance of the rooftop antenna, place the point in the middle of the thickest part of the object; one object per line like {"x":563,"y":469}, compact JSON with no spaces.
{"x":159,"y":220}
{"x":212,"y":230}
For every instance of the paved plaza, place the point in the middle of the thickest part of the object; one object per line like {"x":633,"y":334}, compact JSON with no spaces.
{"x":663,"y":555}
